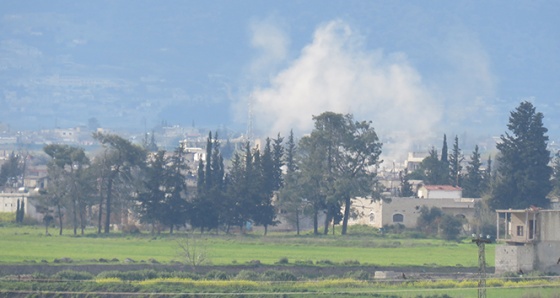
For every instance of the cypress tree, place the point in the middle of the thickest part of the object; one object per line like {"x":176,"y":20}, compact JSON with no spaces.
{"x":523,"y":174}
{"x":455,"y":167}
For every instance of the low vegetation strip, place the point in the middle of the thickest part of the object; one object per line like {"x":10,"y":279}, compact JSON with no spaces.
{"x":343,"y":287}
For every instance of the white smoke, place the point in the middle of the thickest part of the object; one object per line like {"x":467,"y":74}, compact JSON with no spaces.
{"x":336,"y":73}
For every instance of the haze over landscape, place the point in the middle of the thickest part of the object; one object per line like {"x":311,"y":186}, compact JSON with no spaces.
{"x":416,"y":69}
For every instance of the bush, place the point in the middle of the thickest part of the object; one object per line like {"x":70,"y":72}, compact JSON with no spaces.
{"x":304,"y":262}
{"x":7,"y":217}
{"x":272,"y":275}
{"x":129,"y":275}
{"x":247,"y":275}
{"x":216,"y":275}
{"x":351,"y":262}
{"x":357,"y":275}
{"x":324,"y":262}
{"x":283,"y":261}
{"x":131,"y":229}
{"x":73,"y":275}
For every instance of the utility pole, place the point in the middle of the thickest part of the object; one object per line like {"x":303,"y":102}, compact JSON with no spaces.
{"x":480,"y":242}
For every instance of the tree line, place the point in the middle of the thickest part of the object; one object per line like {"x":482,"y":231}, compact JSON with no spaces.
{"x":525,"y":174}
{"x":320,"y":173}
{"x":317,"y":175}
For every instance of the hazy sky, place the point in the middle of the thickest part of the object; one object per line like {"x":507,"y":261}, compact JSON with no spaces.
{"x":417,"y":69}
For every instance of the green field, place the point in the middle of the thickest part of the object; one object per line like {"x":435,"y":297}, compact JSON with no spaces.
{"x":24,"y":244}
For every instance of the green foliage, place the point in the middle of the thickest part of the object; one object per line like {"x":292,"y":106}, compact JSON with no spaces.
{"x":556,"y":175}
{"x":6,"y":217}
{"x":455,"y":160}
{"x":247,"y":275}
{"x":432,"y":221}
{"x":358,"y":275}
{"x":283,"y":261}
{"x":406,"y":186}
{"x":129,"y":275}
{"x":274,"y":275}
{"x":216,"y":275}
{"x":324,"y":262}
{"x":130,"y":229}
{"x":433,"y":170}
{"x":336,"y":163}
{"x":473,"y":185}
{"x":429,"y":220}
{"x":451,"y":227}
{"x":73,"y":275}
{"x":523,"y":174}
{"x":117,"y":168}
{"x":11,"y":169}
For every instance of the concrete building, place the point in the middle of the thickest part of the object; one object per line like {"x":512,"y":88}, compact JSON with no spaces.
{"x":9,"y":200}
{"x":406,"y":211}
{"x":440,"y":192}
{"x":530,"y":240}
{"x":414,"y":160}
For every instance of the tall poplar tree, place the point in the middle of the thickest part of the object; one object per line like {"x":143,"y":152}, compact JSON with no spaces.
{"x":455,"y":160}
{"x":523,"y":174}
{"x":473,"y":184}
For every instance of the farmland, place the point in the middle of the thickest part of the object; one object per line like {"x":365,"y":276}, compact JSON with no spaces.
{"x":273,"y":265}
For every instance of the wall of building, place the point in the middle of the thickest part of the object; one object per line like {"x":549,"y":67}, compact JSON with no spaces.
{"x":428,"y":193}
{"x":512,"y":258}
{"x":380,"y":213}
{"x":8,"y":203}
{"x":549,"y":225}
{"x":548,"y":256}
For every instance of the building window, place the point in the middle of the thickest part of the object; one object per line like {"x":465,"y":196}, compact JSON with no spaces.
{"x":398,"y":217}
{"x":519,"y":230}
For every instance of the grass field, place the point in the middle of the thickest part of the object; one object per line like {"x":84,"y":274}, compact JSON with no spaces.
{"x":21,"y":244}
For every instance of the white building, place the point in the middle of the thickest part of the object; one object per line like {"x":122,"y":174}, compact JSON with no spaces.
{"x":440,"y":192}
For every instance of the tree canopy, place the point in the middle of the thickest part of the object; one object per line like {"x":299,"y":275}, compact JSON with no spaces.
{"x":523,"y":174}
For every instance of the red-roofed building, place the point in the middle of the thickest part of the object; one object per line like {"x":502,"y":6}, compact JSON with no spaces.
{"x":440,"y":192}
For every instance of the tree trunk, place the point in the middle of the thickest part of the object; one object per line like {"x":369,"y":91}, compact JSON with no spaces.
{"x":59,"y":210}
{"x":265,"y":229}
{"x":108,"y":204}
{"x":347,"y":202}
{"x":327,"y":221}
{"x":297,"y":221}
{"x":100,"y":217}
{"x":82,"y":217}
{"x":75,"y":216}
{"x":315,"y":222}
{"x":171,"y":229}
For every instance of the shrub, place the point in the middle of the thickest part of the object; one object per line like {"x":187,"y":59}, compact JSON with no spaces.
{"x":131,"y":229}
{"x":351,"y":262}
{"x":304,"y":262}
{"x":283,"y":261}
{"x":324,"y":262}
{"x":129,"y":275}
{"x":272,"y":275}
{"x":7,"y":217}
{"x":73,"y":275}
{"x":358,"y":275}
{"x":216,"y":275}
{"x":247,"y":275}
